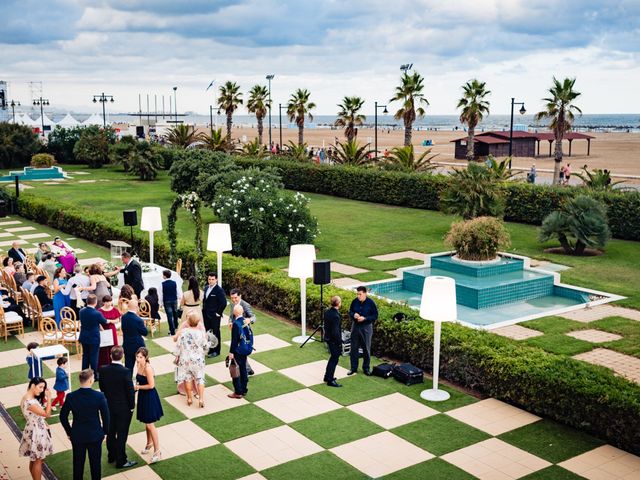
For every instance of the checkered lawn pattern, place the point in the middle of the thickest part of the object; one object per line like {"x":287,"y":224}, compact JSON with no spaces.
{"x":290,"y":426}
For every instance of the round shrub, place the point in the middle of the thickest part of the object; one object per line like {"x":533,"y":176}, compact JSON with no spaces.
{"x":478,"y":239}
{"x":43,"y":160}
{"x":265,"y":220}
{"x":199,"y":170}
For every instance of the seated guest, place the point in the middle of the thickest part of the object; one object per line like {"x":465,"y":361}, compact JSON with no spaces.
{"x":10,"y":305}
{"x":64,"y":254}
{"x":154,"y":303}
{"x":41,"y":294}
{"x":43,"y":249}
{"x":126,"y":295}
{"x":49,"y":265}
{"x":29,"y":283}
{"x":17,"y":253}
{"x":7,"y":265}
{"x":20,"y":276}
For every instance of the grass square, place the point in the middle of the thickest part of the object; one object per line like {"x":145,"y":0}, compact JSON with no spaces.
{"x":458,"y":398}
{"x":268,"y":385}
{"x":556,"y":325}
{"x":291,"y":356}
{"x":551,"y":441}
{"x":440,"y":434}
{"x":237,"y":422}
{"x":12,"y":343}
{"x":553,"y":472}
{"x":629,"y":329}
{"x":336,"y":428}
{"x":560,"y":344}
{"x":155,"y":350}
{"x":171,"y":415}
{"x":17,"y":374}
{"x":62,"y":463}
{"x":356,"y":388}
{"x":213,"y":462}
{"x":435,"y":468}
{"x":320,"y":466}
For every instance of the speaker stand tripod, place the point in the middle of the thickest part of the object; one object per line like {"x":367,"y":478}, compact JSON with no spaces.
{"x":320,"y":326}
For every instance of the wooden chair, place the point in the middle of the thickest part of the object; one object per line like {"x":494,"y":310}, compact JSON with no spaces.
{"x":10,"y":322}
{"x":50,"y":333}
{"x":144,"y":312}
{"x":68,"y":313}
{"x":38,"y":314}
{"x":13,"y":289}
{"x":27,"y":305}
{"x":70,"y":333}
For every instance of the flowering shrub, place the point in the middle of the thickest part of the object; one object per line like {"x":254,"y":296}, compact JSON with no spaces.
{"x":265,"y":220}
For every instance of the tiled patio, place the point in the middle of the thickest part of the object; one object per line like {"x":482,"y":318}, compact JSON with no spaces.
{"x":623,"y":365}
{"x":587,"y":315}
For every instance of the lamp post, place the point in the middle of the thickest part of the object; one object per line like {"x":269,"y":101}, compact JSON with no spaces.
{"x":41,"y":102}
{"x":103,"y":99}
{"x":175,"y":104}
{"x":375,"y":121}
{"x":438,"y":304}
{"x":219,"y":241}
{"x":211,"y":117}
{"x":301,"y":259}
{"x":280,"y":115}
{"x":13,"y":106}
{"x":151,"y":222}
{"x":522,"y":112}
{"x":269,"y":78}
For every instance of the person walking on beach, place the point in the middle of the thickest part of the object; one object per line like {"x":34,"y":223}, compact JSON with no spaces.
{"x":90,"y":425}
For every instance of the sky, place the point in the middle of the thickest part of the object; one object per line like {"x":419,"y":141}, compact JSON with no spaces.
{"x":333,"y":48}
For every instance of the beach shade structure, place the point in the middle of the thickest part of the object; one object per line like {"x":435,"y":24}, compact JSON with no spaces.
{"x":22,"y":119}
{"x":151,"y":222}
{"x":94,"y":119}
{"x":219,"y":241}
{"x":68,"y":122}
{"x":27,"y":120}
{"x":438,"y":304}
{"x":301,"y":259}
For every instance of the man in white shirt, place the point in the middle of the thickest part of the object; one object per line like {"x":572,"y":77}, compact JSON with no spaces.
{"x":79,"y":279}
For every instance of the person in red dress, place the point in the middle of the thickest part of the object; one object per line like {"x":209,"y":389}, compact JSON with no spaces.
{"x":113,"y":317}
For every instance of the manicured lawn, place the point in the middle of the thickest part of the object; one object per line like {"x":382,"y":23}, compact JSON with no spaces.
{"x":62,"y":464}
{"x":214,"y":462}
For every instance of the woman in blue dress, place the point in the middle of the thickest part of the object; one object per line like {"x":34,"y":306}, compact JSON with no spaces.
{"x":149,"y":406}
{"x":60,"y":292}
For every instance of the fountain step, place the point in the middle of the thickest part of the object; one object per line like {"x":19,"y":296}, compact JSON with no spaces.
{"x":477,"y":269}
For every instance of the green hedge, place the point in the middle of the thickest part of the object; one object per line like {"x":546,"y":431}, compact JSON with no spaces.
{"x":572,"y":392}
{"x":525,"y":203}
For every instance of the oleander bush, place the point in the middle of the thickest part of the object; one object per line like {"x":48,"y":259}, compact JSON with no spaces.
{"x":524,"y":202}
{"x":478,"y":239}
{"x":43,"y":160}
{"x":575,"y":393}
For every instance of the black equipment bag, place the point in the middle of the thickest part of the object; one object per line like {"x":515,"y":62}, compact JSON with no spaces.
{"x":384,"y":370}
{"x":408,"y":374}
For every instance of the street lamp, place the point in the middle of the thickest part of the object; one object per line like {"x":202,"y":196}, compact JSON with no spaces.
{"x":270,"y":77}
{"x":522,"y":112}
{"x":103,"y":99}
{"x":13,"y":106}
{"x":406,"y":66}
{"x":41,"y":102}
{"x":280,"y":115}
{"x":375,"y":121}
{"x":175,"y":104}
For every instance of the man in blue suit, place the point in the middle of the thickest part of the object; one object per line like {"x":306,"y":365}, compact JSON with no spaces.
{"x":132,"y":331}
{"x":87,"y":432}
{"x":90,"y":321}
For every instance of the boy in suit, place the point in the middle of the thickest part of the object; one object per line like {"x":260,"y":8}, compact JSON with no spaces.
{"x":87,"y":432}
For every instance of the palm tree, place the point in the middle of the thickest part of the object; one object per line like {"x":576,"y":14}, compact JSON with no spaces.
{"x":349,"y":117}
{"x":474,"y":107}
{"x":215,"y":141}
{"x":258,"y":103}
{"x":403,"y":158}
{"x":181,"y":136}
{"x":409,"y":92}
{"x":296,"y":152}
{"x":299,"y":106}
{"x":229,"y":100}
{"x":559,"y":110}
{"x":352,"y":153}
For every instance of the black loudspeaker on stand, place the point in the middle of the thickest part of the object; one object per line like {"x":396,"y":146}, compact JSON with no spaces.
{"x":130,"y":218}
{"x":321,"y":276}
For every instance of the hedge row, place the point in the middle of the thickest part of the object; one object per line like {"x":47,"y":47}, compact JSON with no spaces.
{"x":572,"y":392}
{"x":525,"y":203}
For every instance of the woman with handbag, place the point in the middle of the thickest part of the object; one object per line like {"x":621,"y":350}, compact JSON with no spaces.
{"x":192,"y":344}
{"x":111,"y":336}
{"x":36,"y":440}
{"x":240,"y":348}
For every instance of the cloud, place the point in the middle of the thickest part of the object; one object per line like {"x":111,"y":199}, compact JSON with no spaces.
{"x":30,"y":21}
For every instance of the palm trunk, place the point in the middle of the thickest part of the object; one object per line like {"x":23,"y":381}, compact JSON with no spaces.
{"x":559,"y":134}
{"x":229,"y":124}
{"x":348,"y":132}
{"x":260,"y":130}
{"x":407,"y":134}
{"x":579,"y":250}
{"x":564,"y":242}
{"x":470,"y":150}
{"x":301,"y":134}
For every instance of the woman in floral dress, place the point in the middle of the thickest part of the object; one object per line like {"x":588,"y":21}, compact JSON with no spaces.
{"x":36,"y":440}
{"x":190,"y":350}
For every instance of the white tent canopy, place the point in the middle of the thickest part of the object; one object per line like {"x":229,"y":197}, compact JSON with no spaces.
{"x":68,"y":121}
{"x":46,"y":121}
{"x":27,"y":120}
{"x":94,"y":119}
{"x":20,"y":119}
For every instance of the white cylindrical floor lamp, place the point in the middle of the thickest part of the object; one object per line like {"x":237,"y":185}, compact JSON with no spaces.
{"x":438,"y":304}
{"x":151,"y":222}
{"x":301,"y":259}
{"x":219,"y":241}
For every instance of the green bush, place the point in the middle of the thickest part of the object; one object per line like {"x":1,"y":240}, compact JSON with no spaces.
{"x":18,"y":144}
{"x":199,"y":170}
{"x":473,"y":192}
{"x":93,"y":147}
{"x":61,"y":143}
{"x":144,"y":161}
{"x":168,"y":153}
{"x":42,"y":160}
{"x":119,"y":151}
{"x":575,"y":393}
{"x":478,"y":239}
{"x":524,"y":203}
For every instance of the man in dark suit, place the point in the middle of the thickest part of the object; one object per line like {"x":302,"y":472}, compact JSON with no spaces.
{"x":333,"y":337}
{"x":170,"y":300}
{"x":132,"y":273}
{"x":213,"y":304}
{"x":40,"y":293}
{"x":115,"y":383}
{"x":132,"y":331}
{"x":86,"y":433}
{"x":90,"y":321}
{"x":17,"y":253}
